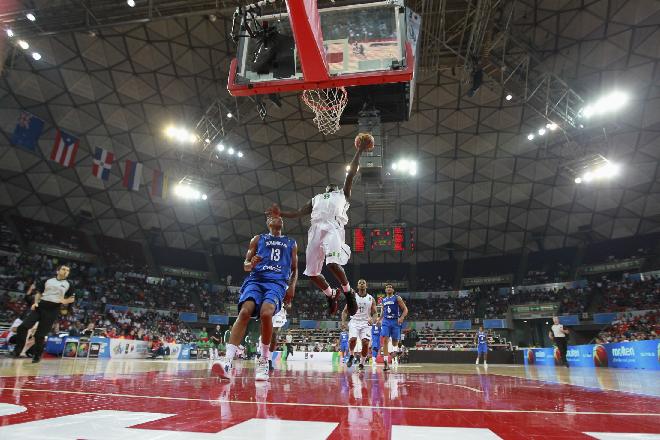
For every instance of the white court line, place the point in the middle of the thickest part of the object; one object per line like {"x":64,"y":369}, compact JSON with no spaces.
{"x":330,"y":405}
{"x":476,"y":390}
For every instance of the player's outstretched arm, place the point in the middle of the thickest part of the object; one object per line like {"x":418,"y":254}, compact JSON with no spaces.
{"x":293,"y":279}
{"x":403,"y":307}
{"x":305,"y":210}
{"x":251,"y":257}
{"x":352,"y":171}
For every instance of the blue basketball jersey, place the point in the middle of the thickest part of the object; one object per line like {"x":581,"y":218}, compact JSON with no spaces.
{"x":343,"y":338}
{"x":391,"y":308}
{"x":275,"y":253}
{"x":481,"y":338}
{"x":375,"y":332}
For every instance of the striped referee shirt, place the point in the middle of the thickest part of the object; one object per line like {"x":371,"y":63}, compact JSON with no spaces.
{"x":55,"y":290}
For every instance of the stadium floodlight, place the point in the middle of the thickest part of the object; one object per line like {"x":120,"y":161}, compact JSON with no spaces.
{"x":530,"y":137}
{"x":229,"y":115}
{"x":509,"y":97}
{"x":603,"y":170}
{"x":204,"y":197}
{"x":10,"y":33}
{"x":207,"y":140}
{"x":23,"y":44}
{"x":240,"y":154}
{"x":230,"y":151}
{"x":220,"y":147}
{"x":188,"y":192}
{"x":36,"y":56}
{"x":30,"y":16}
{"x":551,"y":126}
{"x":541,"y":131}
{"x":180,"y":134}
{"x":609,"y":103}
{"x":130,"y":3}
{"x":405,"y":166}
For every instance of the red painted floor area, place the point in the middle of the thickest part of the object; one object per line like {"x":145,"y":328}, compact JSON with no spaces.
{"x":369,"y":405}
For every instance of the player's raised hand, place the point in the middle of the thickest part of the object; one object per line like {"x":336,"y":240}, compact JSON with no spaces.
{"x":273,"y":211}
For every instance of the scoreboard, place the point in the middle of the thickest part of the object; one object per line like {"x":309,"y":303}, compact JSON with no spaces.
{"x":377,"y":238}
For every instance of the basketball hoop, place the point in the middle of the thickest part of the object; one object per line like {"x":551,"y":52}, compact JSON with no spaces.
{"x":327,"y":105}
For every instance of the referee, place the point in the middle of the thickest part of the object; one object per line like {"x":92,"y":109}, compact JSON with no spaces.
{"x":47,"y":301}
{"x":560,"y":335}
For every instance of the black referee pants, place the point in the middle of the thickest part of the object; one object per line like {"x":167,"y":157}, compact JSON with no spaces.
{"x":45,"y":314}
{"x":562,"y":345}
{"x":289,"y":350}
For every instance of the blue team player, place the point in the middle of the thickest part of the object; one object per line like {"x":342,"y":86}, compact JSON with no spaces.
{"x":272,"y":261}
{"x":393,"y":314}
{"x":375,"y":342}
{"x":343,"y":345}
{"x":481,"y":339}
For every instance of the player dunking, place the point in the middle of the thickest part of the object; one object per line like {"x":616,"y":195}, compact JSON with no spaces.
{"x":272,"y":261}
{"x":325,"y":239}
{"x":481,"y":339}
{"x":394,"y":312}
{"x":360,"y":325}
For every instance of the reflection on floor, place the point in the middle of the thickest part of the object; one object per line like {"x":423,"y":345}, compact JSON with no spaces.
{"x":99,"y":399}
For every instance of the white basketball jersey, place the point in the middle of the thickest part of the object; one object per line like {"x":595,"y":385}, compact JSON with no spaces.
{"x":364,"y":308}
{"x":330,"y":208}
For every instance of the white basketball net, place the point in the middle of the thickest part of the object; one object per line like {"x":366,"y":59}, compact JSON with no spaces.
{"x":327,"y":105}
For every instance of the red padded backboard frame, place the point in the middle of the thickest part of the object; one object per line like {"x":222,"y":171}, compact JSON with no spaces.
{"x":309,"y":42}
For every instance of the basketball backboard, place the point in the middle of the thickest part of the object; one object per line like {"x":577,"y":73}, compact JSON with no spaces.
{"x":364,"y":46}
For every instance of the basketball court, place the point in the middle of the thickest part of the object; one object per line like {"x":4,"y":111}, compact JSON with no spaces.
{"x":180,"y":400}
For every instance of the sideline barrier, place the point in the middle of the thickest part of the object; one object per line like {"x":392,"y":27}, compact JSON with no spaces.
{"x":105,"y":348}
{"x":632,"y":355}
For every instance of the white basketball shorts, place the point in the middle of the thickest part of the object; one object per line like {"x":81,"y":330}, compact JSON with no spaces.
{"x":325,"y":243}
{"x":359,"y":330}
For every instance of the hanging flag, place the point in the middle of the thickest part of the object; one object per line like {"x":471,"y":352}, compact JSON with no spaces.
{"x":159,"y":183}
{"x":102,"y":163}
{"x":65,"y":149}
{"x":132,"y":175}
{"x":27,"y":131}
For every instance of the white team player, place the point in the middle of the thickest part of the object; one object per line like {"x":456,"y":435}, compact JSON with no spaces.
{"x":359,"y":327}
{"x":325,"y":239}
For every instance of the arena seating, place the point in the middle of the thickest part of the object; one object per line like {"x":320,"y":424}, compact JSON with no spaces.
{"x":629,"y":295}
{"x":56,"y":235}
{"x":632,"y":328}
{"x":436,"y":339}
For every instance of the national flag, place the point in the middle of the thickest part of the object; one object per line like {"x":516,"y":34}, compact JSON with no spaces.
{"x":65,"y":149}
{"x":102,"y":163}
{"x":159,"y":183}
{"x":132,"y":175}
{"x":27,"y":131}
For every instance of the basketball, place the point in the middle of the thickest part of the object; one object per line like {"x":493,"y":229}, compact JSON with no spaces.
{"x":364,"y":141}
{"x":600,"y":356}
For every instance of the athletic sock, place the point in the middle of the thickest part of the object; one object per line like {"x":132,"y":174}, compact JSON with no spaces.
{"x":328,"y":291}
{"x":346,"y":288}
{"x":231,"y":352}
{"x":265,"y":351}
